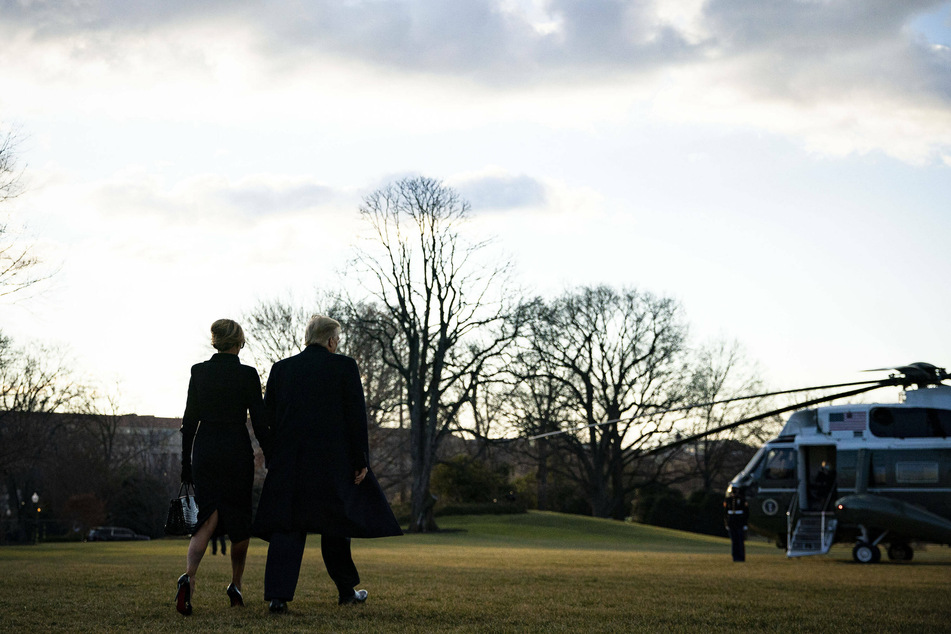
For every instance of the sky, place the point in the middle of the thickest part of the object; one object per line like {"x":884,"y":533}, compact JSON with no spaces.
{"x":782,"y":168}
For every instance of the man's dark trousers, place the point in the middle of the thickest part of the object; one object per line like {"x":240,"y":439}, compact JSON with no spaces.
{"x":284,"y":560}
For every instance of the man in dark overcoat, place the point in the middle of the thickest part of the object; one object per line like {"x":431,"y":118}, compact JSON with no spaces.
{"x":318,"y":478}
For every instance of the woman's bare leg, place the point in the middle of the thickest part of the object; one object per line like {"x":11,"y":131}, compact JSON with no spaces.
{"x":197,"y":546}
{"x":239,"y":554}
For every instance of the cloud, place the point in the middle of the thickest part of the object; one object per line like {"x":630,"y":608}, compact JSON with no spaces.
{"x":502,"y":191}
{"x":135,"y":234}
{"x":493,"y":40}
{"x":264,"y":198}
{"x":498,"y":40}
{"x":817,"y":50}
{"x":212,"y":197}
{"x":841,"y":76}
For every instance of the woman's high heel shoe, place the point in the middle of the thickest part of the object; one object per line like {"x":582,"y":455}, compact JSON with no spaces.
{"x":235,"y":595}
{"x":183,"y":598}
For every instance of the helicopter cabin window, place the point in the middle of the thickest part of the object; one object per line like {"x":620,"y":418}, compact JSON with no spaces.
{"x":845,"y":465}
{"x":780,"y":465}
{"x":916,"y":472}
{"x":910,"y":422}
{"x":910,"y":468}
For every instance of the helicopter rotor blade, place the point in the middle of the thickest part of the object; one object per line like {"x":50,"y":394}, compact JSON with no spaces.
{"x":919,"y":373}
{"x":752,"y":419}
{"x":687,"y":408}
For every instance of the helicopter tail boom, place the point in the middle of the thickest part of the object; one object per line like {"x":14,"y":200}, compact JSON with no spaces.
{"x":865,"y":509}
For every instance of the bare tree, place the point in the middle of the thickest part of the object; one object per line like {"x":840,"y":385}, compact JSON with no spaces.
{"x":18,"y":263}
{"x":119,"y":442}
{"x":383,"y":387}
{"x":719,"y":375}
{"x":537,"y":405}
{"x":34,"y":384}
{"x":10,"y":174}
{"x":382,"y":384}
{"x":616,"y":358}
{"x":442,"y":313}
{"x":275,"y":330}
{"x":488,"y":394}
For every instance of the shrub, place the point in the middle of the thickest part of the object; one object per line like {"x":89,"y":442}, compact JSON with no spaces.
{"x":661,"y":505}
{"x":462,"y":479}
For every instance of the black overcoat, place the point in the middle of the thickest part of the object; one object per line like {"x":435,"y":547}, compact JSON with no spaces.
{"x":319,"y":440}
{"x":222,"y":393}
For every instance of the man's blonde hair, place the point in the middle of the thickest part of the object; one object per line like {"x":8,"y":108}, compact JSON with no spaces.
{"x":320,"y":330}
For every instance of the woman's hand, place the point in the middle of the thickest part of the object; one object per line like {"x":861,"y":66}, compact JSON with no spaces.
{"x":360,"y":475}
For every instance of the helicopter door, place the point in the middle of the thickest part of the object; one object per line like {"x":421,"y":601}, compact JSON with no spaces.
{"x":818,"y":489}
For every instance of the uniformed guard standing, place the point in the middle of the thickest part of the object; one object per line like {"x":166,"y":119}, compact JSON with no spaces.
{"x":737,"y":510}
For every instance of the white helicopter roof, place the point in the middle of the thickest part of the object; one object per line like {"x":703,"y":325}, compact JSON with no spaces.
{"x":808,"y":421}
{"x":938,"y":396}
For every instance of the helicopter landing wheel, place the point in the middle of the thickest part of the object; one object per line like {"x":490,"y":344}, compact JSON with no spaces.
{"x":865,"y":553}
{"x":900,"y":552}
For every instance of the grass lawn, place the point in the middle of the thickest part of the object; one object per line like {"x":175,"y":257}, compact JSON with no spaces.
{"x":538,"y":572}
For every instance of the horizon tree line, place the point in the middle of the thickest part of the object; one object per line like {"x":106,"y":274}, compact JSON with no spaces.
{"x":448,"y":344}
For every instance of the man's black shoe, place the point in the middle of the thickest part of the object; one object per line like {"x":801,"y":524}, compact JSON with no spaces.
{"x":278,"y":606}
{"x":359,"y":596}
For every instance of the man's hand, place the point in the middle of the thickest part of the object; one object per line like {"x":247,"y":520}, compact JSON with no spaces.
{"x":359,"y":475}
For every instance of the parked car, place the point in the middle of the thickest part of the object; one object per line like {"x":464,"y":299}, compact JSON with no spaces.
{"x":114,"y":534}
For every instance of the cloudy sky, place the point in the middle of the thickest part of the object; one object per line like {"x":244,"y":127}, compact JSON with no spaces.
{"x":781,"y":167}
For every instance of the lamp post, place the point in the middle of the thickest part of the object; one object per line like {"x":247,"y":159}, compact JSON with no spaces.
{"x":36,"y":518}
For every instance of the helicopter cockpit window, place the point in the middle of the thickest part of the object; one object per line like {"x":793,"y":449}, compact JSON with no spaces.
{"x":780,"y":464}
{"x":910,"y":422}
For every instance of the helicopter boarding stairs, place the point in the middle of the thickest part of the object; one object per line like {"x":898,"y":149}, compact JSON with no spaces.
{"x":809,"y":532}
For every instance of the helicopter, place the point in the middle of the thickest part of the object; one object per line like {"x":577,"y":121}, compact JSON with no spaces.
{"x":871,"y":474}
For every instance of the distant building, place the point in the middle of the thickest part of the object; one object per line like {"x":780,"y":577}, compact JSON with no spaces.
{"x":153,"y":442}
{"x":73,"y":464}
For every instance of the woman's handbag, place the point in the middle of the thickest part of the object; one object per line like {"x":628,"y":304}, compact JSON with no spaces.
{"x":182,"y":512}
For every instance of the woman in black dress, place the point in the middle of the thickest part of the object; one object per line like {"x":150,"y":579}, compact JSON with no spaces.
{"x":217,"y":454}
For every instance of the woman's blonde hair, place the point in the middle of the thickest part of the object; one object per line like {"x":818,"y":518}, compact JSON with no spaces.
{"x":226,"y":334}
{"x":320,"y":330}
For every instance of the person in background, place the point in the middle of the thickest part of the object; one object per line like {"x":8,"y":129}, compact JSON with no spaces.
{"x":824,"y":485}
{"x":737,"y":511}
{"x":318,"y":478}
{"x":217,"y":455}
{"x":214,"y":545}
